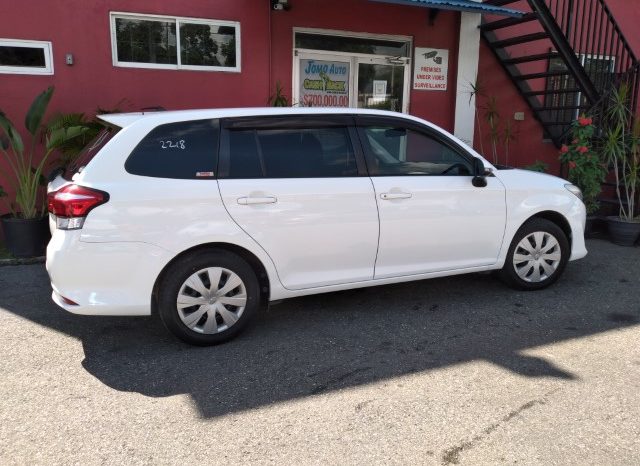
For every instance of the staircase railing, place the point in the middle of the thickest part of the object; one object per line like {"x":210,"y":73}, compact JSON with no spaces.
{"x":593,"y":34}
{"x":588,"y":56}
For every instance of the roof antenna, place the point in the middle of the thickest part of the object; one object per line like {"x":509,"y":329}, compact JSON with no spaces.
{"x":157,"y":108}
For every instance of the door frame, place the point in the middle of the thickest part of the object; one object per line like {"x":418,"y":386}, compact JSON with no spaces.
{"x":354,"y":59}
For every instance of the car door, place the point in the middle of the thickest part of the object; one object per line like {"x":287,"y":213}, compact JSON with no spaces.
{"x":299,"y":189}
{"x":432,"y":218}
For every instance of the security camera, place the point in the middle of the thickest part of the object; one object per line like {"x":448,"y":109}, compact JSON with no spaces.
{"x":280,"y":5}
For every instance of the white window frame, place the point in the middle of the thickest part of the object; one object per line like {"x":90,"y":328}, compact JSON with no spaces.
{"x":31,"y":44}
{"x":583,"y":61}
{"x":177,"y":19}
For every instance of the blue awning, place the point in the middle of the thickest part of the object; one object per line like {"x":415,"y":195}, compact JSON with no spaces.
{"x":458,"y":5}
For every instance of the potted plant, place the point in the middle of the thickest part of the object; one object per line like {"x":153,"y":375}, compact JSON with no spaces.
{"x":25,"y":227}
{"x":622,"y":150}
{"x":586,"y":170}
{"x":278,"y":99}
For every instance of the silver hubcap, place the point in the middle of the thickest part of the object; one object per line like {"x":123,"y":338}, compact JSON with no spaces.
{"x":211,"y":300}
{"x":537,"y":257}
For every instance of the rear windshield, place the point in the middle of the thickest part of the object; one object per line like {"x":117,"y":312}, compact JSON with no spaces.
{"x":91,"y":149}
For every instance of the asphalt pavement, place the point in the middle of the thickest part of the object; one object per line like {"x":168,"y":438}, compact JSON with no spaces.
{"x":459,"y":370}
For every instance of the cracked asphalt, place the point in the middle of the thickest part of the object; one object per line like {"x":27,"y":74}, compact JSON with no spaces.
{"x":459,"y":370}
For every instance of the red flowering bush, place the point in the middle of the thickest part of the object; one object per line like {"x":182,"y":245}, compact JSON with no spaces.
{"x":586,"y":170}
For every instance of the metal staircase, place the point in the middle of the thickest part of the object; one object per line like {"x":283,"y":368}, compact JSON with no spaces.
{"x":563,"y":56}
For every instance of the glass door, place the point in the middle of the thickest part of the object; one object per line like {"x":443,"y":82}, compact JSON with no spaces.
{"x":382,"y":84}
{"x":340,"y":79}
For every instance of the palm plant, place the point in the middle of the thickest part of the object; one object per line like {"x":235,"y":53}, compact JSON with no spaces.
{"x":493,"y":120}
{"x":508,"y":137}
{"x":25,"y":167}
{"x":622,"y":150}
{"x":70,"y":149}
{"x":278,"y":99}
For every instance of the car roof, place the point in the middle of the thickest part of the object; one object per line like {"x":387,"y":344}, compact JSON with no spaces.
{"x":123,"y":120}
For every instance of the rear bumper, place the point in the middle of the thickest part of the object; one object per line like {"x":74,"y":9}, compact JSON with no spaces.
{"x":113,"y":279}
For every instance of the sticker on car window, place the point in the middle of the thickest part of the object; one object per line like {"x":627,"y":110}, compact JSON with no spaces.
{"x":204,"y":174}
{"x":173,"y":145}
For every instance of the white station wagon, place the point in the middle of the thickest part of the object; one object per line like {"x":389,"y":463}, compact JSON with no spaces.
{"x":206,"y":216}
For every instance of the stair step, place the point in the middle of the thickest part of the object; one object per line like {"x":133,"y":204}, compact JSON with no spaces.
{"x":546,"y":74}
{"x":565,"y":107}
{"x":501,"y":2}
{"x":500,"y":44}
{"x":555,"y":123}
{"x":530,"y":58}
{"x":505,"y":23}
{"x":550,"y":92}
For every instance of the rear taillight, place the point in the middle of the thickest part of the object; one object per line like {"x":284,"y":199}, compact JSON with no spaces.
{"x":71,"y":204}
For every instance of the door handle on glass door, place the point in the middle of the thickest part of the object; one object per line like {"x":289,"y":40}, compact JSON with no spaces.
{"x":394,"y":195}
{"x":257,"y":200}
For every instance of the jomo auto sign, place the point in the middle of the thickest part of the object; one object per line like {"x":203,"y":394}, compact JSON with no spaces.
{"x":324,"y":83}
{"x":431,"y":69}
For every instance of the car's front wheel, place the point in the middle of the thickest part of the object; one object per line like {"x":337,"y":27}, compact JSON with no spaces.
{"x":208,"y":297}
{"x":537,"y":256}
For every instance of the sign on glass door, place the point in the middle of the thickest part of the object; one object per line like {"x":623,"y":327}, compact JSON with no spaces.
{"x":324,"y":83}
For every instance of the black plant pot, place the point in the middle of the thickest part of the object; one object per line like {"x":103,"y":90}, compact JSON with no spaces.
{"x":26,"y":237}
{"x":623,"y":233}
{"x":590,"y":227}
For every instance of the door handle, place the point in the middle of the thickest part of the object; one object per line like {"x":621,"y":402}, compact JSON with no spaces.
{"x":257,"y":200}
{"x":395,"y":195}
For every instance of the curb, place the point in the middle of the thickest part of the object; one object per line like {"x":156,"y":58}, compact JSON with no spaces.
{"x":25,"y":261}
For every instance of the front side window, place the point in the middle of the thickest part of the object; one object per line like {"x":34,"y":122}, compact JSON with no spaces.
{"x":185,"y":150}
{"x":394,"y":151}
{"x":175,"y":43}
{"x":291,"y":153}
{"x":25,"y":57}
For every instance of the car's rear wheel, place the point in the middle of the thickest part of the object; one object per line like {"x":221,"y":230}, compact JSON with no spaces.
{"x":208,"y":297}
{"x":537,"y":256}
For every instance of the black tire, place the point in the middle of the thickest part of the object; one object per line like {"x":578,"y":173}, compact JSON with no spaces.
{"x":174,"y":278}
{"x":510,"y":276}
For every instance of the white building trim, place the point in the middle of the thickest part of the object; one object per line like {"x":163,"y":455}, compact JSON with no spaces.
{"x":468,"y":59}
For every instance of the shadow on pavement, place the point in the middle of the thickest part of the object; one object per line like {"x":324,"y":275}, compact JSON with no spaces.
{"x":316,"y":344}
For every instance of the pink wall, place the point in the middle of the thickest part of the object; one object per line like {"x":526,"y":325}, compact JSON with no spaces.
{"x":527,"y":146}
{"x":82,"y":28}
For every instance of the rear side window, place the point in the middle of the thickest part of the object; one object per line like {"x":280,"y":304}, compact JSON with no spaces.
{"x":185,"y":150}
{"x":291,"y":153}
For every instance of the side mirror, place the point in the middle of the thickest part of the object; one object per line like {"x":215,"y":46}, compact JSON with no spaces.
{"x":479,"y":179}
